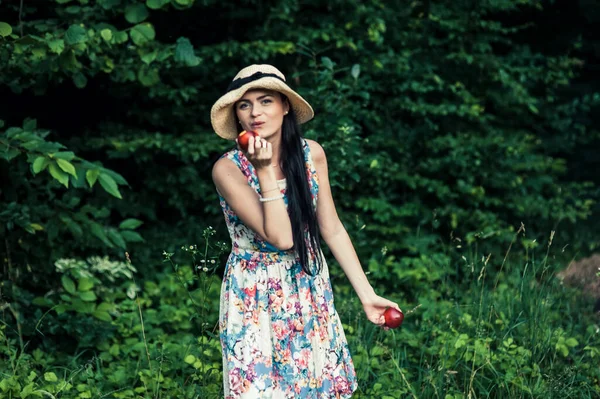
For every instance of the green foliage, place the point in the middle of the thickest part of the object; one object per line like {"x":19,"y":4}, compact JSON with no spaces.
{"x":159,"y":339}
{"x":45,"y":201}
{"x":523,"y":339}
{"x":449,"y":129}
{"x":135,"y":340}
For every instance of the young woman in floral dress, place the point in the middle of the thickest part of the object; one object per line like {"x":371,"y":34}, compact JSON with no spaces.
{"x":280,"y":332}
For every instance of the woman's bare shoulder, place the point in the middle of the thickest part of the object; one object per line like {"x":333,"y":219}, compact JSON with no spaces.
{"x":316,"y":151}
{"x":225,"y":168}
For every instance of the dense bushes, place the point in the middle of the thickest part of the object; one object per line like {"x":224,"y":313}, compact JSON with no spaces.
{"x":448,"y":128}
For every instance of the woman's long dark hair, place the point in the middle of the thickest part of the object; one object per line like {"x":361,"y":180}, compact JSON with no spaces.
{"x":303,"y":217}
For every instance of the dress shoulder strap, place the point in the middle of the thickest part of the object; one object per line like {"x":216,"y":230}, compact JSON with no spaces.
{"x":311,"y":171}
{"x":240,"y":160}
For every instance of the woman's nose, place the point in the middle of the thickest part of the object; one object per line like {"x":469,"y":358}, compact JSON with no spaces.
{"x":256,"y":110}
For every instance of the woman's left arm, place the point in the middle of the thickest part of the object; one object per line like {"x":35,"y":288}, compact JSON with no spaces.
{"x":335,"y":235}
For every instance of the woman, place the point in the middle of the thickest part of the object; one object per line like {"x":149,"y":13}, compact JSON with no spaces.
{"x":280,"y":333}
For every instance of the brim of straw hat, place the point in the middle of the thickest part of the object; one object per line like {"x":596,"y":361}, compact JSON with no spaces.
{"x":222,"y":114}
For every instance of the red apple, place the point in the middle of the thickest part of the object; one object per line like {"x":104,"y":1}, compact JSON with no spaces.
{"x":393,"y":317}
{"x":244,"y":139}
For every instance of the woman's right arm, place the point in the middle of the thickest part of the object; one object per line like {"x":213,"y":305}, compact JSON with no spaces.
{"x":269,"y":219}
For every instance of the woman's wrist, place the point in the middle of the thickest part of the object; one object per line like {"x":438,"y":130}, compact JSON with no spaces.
{"x":365,"y":294}
{"x":266,"y":176}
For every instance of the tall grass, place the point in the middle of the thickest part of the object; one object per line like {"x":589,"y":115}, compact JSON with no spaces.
{"x":509,"y":330}
{"x":503,"y":327}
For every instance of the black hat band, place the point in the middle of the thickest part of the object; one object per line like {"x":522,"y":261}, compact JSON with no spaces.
{"x":236,"y":84}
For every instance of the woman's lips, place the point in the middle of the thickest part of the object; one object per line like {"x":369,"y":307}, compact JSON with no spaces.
{"x":257,"y":124}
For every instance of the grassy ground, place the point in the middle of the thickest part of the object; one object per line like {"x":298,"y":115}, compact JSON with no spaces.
{"x":515,"y":334}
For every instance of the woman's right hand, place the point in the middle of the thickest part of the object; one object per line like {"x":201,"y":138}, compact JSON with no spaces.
{"x":260,"y":152}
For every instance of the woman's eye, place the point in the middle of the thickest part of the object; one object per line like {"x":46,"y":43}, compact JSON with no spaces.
{"x":266,"y":101}
{"x":242,"y":106}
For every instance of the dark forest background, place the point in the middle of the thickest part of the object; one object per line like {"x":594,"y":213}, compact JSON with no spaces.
{"x":462,"y":140}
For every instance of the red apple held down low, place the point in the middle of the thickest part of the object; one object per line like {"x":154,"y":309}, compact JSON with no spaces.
{"x":244,"y":139}
{"x":393,"y":317}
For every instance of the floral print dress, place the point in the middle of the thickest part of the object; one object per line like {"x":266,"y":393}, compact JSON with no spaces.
{"x":280,"y":334}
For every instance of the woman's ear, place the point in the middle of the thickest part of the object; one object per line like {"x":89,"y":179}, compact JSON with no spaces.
{"x":285,"y":102}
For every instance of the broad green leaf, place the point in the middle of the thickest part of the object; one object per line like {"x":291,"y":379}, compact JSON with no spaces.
{"x":50,"y":377}
{"x":131,"y":236}
{"x":108,"y":4}
{"x":130,"y":224}
{"x":75,"y":34}
{"x":184,"y":52}
{"x":41,"y":301}
{"x":74,"y":181}
{"x":60,"y":309}
{"x":142,"y":34}
{"x":327,"y":62}
{"x":68,"y":284}
{"x":121,"y":37}
{"x":5,"y":29}
{"x":190,"y":359}
{"x":33,"y":145}
{"x":40,"y":164}
{"x":156,"y":4}
{"x":36,"y":226}
{"x":39,"y":53}
{"x":79,"y":180}
{"x":56,"y":46}
{"x":105,"y":307}
{"x":81,"y":306}
{"x":355,"y":71}
{"x":572,"y":342}
{"x":66,"y":166}
{"x":100,"y":315}
{"x":109,"y":185}
{"x":148,"y":58}
{"x":69,"y":62}
{"x":9,"y":153}
{"x":98,"y":231}
{"x":58,"y":174}
{"x":73,"y":227}
{"x":12,"y":132}
{"x":91,"y":176}
{"x":136,"y":13}
{"x":148,"y":76}
{"x":184,"y":2}
{"x":85,"y":284}
{"x":116,"y":238}
{"x":66,"y":155}
{"x":116,"y":176}
{"x":27,"y":390}
{"x":533,"y":108}
{"x":88,"y":296}
{"x":106,"y":34}
{"x":80,"y":80}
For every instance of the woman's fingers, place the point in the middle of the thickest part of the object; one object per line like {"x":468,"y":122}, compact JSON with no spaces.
{"x":251,"y":145}
{"x":260,"y":151}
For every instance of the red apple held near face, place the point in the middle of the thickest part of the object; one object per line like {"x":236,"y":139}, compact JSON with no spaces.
{"x":393,"y":317}
{"x":244,"y":139}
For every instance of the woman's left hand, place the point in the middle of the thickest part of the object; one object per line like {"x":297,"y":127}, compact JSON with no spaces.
{"x":375,"y":306}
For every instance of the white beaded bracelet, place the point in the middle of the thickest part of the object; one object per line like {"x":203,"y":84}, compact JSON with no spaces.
{"x":262,"y":199}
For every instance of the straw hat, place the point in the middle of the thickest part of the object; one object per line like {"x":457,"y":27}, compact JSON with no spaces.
{"x":222,"y":114}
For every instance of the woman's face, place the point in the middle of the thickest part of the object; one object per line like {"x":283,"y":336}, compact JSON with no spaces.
{"x":262,"y":110}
